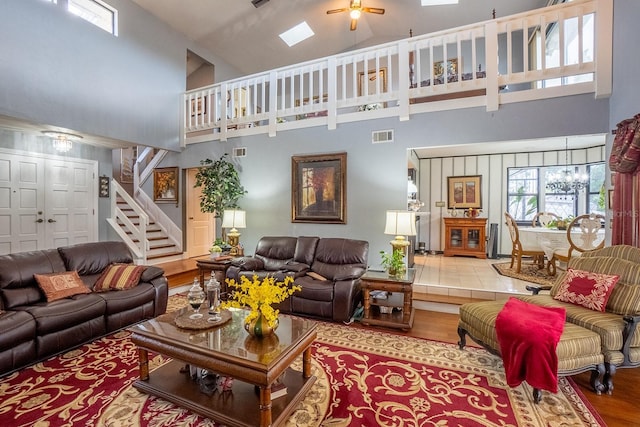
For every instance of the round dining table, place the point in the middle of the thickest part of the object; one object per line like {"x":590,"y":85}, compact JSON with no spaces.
{"x":550,"y":240}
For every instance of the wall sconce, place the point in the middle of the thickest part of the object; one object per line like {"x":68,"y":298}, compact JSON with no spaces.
{"x":62,"y":141}
{"x":234,"y":219}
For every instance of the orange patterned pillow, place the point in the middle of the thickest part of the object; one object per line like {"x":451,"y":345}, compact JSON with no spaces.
{"x":585,"y":288}
{"x":119,"y":277}
{"x":61,"y":285}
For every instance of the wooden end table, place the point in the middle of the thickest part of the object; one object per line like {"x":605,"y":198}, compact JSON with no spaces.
{"x":218,"y":268}
{"x":399,"y":295}
{"x":228,"y":350}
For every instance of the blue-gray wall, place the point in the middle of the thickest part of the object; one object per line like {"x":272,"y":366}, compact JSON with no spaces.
{"x":377,"y":173}
{"x":60,"y":70}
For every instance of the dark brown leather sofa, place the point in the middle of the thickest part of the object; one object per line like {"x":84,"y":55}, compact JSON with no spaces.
{"x":32,"y":329}
{"x":331,"y":291}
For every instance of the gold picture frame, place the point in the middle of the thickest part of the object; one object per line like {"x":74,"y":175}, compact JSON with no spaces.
{"x":372,"y":77}
{"x":318,"y":188}
{"x":464,"y":192}
{"x":165,"y":185}
{"x":452,"y":68}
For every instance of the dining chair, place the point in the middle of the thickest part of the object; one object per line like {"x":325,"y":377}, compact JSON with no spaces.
{"x":543,"y":218}
{"x":518,"y":250}
{"x":587,"y":240}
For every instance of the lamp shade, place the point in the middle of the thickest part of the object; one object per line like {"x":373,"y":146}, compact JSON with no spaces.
{"x":232,"y":218}
{"x":400,"y":223}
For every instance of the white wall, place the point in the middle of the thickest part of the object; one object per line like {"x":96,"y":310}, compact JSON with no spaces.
{"x":493,"y":169}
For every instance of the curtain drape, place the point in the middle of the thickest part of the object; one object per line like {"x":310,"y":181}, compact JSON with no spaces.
{"x":625,"y":162}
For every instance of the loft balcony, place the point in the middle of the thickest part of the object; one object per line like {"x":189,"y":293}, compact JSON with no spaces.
{"x":551,"y":52}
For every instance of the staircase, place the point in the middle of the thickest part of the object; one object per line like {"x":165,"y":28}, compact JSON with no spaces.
{"x":160,"y":247}
{"x":150,"y":234}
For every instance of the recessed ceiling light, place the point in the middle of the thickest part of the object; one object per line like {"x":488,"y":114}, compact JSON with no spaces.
{"x":438,"y":2}
{"x":295,"y":35}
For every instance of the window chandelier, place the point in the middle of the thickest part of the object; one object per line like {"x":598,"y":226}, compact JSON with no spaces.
{"x":62,"y":141}
{"x":567,"y":181}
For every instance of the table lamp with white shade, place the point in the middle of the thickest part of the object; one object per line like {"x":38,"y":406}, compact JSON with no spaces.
{"x":234,"y":219}
{"x":400,"y":224}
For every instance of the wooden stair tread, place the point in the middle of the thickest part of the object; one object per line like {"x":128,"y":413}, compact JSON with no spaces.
{"x":166,"y":254}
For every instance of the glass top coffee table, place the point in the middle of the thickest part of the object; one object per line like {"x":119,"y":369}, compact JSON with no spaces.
{"x":228,"y":350}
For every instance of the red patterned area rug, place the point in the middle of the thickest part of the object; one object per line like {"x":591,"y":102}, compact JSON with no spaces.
{"x":365,"y":378}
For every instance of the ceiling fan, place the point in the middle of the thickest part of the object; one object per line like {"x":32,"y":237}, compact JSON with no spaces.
{"x":355,"y":10}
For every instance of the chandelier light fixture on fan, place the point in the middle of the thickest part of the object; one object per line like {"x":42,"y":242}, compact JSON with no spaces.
{"x":355,"y":10}
{"x":566,"y":181}
{"x":62,"y":141}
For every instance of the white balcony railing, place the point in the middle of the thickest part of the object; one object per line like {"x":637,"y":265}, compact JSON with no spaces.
{"x":488,"y":64}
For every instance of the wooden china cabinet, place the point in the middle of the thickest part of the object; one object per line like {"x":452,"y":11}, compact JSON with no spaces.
{"x":465,"y":236}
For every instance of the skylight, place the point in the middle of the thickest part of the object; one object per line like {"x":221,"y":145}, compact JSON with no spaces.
{"x":295,"y":35}
{"x":438,"y":2}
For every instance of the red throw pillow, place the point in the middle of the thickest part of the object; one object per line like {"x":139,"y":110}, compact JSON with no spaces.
{"x":585,"y":288}
{"x":119,"y":277}
{"x":61,"y":285}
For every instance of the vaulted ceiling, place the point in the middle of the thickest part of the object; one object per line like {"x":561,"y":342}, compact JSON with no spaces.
{"x":246,"y":37}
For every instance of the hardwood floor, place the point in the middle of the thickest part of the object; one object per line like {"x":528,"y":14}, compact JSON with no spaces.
{"x":618,"y":410}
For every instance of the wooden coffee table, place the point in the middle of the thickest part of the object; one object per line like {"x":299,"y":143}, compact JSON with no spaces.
{"x":228,"y":350}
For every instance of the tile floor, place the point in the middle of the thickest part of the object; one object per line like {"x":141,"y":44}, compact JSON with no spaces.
{"x":461,"y":278}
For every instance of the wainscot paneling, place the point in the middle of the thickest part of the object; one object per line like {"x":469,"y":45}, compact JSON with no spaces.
{"x":493,"y":169}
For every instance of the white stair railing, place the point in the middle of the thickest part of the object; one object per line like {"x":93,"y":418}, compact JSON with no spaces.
{"x":137,"y":240}
{"x":170,"y":229}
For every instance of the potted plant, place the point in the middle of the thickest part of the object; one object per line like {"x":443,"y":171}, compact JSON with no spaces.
{"x":220,"y":183}
{"x":393,"y":263}
{"x":215,"y":251}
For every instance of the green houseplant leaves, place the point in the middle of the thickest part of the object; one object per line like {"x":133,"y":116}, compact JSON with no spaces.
{"x":221,"y":188}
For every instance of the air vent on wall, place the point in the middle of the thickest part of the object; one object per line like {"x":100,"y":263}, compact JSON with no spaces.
{"x":381,"y":136}
{"x":240,"y":152}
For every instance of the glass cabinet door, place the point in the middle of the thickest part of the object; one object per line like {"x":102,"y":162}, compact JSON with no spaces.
{"x":473,"y":238}
{"x":455,"y":238}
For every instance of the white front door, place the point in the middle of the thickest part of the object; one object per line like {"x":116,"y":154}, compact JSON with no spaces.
{"x":200,"y":226}
{"x":70,"y":191}
{"x":21,"y":203}
{"x":46,"y":202}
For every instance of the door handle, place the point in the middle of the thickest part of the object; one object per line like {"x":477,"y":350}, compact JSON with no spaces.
{"x":39,"y":220}
{"x":190,"y":217}
{"x":51,"y":220}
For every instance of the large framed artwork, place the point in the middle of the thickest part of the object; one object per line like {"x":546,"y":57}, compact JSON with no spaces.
{"x":165,"y":185}
{"x":318,"y":188}
{"x":464,"y":191}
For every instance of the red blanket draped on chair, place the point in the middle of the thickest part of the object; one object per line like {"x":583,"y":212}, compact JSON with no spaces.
{"x":528,"y":335}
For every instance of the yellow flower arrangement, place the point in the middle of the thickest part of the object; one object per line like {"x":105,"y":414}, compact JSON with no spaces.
{"x":259,"y":296}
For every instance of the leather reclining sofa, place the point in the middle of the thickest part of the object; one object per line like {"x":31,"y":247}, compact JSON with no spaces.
{"x":327,"y":269}
{"x":32,"y":329}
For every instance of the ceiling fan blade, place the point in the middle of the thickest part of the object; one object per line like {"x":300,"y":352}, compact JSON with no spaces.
{"x":344,"y":9}
{"x":373,"y":10}
{"x":354,"y":24}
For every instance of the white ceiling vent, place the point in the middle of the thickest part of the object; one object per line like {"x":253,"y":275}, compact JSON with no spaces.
{"x":381,"y":136}
{"x":240,"y":152}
